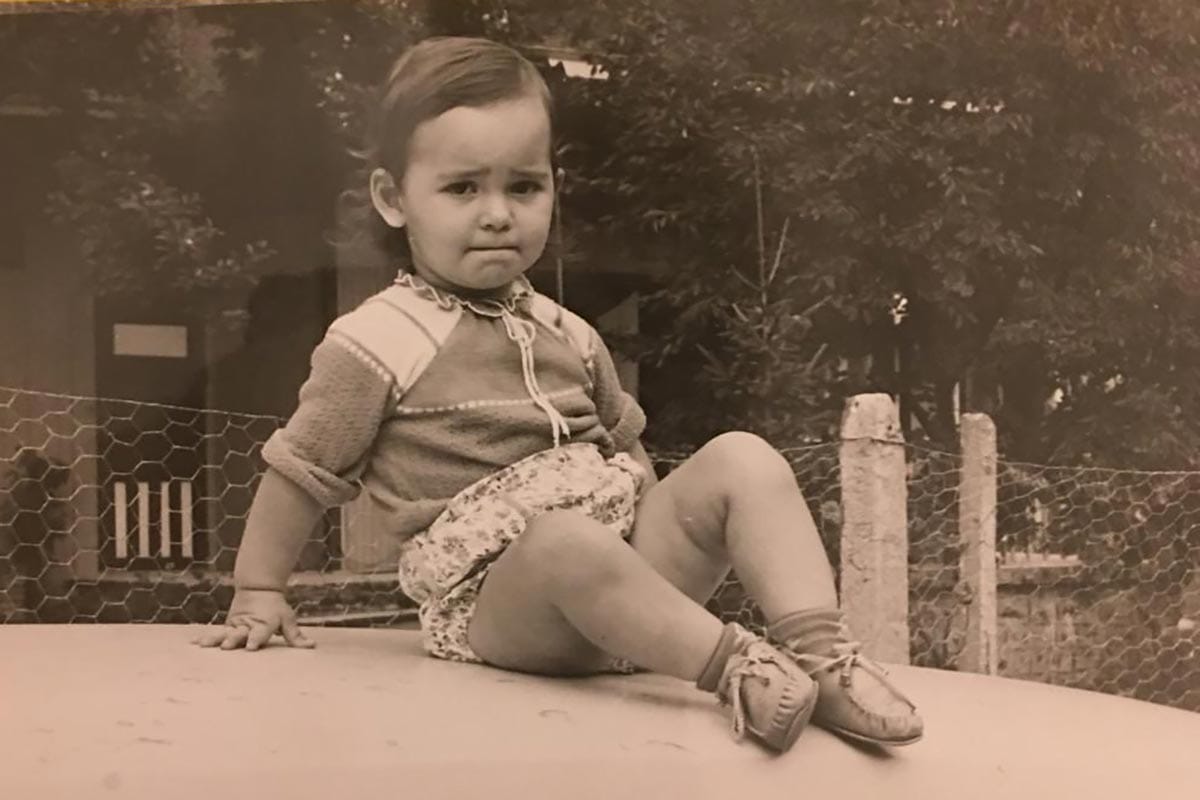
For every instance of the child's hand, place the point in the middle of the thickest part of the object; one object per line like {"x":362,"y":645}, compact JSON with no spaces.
{"x":255,"y":615}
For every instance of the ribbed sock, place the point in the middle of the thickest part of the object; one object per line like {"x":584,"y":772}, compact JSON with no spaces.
{"x":733,"y":639}
{"x":813,"y":630}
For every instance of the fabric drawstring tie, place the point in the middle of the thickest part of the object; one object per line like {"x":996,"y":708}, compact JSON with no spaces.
{"x":522,"y":332}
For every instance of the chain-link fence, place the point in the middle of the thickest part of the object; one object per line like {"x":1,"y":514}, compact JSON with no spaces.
{"x":120,"y":511}
{"x":115,"y":511}
{"x":1097,"y":582}
{"x":1100,"y":582}
{"x":936,"y":623}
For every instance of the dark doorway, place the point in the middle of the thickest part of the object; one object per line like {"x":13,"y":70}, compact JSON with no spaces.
{"x":150,"y":366}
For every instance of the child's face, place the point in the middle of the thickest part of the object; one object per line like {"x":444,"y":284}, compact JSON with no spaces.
{"x":477,"y":195}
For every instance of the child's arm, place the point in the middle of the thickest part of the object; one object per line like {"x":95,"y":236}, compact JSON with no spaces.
{"x":281,"y":519}
{"x":314,"y":463}
{"x":638,"y":451}
{"x":619,"y":412}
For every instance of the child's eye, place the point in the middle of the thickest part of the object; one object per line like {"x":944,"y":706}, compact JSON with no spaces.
{"x":526,"y":187}
{"x":459,"y":187}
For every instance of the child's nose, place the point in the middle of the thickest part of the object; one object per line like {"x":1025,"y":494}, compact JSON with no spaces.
{"x":496,"y":212}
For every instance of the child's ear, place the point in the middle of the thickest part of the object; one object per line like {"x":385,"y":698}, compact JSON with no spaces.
{"x":385,"y":196}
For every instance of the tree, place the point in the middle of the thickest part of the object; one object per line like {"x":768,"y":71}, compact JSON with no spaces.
{"x":992,"y":201}
{"x":997,"y":196}
{"x":140,"y":91}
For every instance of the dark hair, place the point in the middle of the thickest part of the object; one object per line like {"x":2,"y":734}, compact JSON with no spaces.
{"x":428,"y":79}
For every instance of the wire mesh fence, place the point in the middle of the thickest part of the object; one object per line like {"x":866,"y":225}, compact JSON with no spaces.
{"x":1099,"y":579}
{"x":1097,"y":584}
{"x":116,"y":511}
{"x":936,"y":601}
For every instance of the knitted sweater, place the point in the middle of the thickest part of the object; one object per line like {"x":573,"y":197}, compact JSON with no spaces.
{"x":417,"y":394}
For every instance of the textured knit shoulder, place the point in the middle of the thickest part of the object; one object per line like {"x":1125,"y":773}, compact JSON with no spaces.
{"x":566,"y":323}
{"x":396,"y":331}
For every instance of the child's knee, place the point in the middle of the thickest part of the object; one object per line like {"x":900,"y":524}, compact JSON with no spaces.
{"x":742,"y":456}
{"x":570,"y":547}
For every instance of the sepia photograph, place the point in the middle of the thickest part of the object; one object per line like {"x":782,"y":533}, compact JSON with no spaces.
{"x":529,"y":399}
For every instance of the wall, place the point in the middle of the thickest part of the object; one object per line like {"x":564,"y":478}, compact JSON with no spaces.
{"x":45,"y":309}
{"x":1056,"y":626}
{"x":46,"y":328}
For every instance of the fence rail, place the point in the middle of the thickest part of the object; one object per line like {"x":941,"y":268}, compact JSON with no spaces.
{"x":116,"y":511}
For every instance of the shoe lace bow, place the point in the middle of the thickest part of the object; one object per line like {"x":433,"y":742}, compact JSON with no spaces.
{"x":756,"y":662}
{"x":847,"y":656}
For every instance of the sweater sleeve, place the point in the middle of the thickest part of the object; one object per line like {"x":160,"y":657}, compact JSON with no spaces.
{"x":325,"y":445}
{"x":619,"y":412}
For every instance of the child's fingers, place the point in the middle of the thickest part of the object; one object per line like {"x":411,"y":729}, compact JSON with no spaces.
{"x":295,"y":636}
{"x":210,"y":637}
{"x":252,"y":634}
{"x":259,"y":635}
{"x":235,"y":637}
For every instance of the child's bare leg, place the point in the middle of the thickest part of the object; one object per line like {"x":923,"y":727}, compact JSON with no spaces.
{"x":568,"y":592}
{"x":735,"y":501}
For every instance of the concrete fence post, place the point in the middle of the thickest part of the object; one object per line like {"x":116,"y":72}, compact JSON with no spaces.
{"x":977,"y":529}
{"x":874,"y":547}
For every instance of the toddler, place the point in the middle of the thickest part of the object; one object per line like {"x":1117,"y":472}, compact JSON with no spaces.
{"x":487,"y":427}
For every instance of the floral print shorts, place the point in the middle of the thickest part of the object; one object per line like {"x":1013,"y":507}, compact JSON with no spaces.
{"x":443,"y":567}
